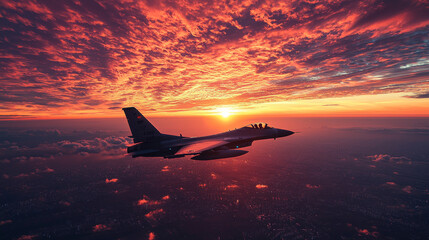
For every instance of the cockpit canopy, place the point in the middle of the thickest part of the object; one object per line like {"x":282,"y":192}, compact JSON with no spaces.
{"x":259,"y":125}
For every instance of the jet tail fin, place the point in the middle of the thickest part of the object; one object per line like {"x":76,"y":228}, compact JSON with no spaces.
{"x":140,"y":127}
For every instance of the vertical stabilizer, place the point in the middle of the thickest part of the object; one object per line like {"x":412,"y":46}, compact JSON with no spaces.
{"x":141,"y":128}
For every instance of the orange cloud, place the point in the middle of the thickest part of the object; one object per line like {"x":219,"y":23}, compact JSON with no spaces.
{"x":154,"y":214}
{"x":147,"y":201}
{"x":92,"y":59}
{"x":113,"y":180}
{"x":142,"y":201}
{"x":166,"y":197}
{"x":231,"y":186}
{"x":165,"y":169}
{"x":261,"y":186}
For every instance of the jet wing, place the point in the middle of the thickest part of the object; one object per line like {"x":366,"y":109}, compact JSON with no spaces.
{"x":199,"y":147}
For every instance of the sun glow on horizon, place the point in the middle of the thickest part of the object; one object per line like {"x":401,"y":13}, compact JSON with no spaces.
{"x":224,"y":112}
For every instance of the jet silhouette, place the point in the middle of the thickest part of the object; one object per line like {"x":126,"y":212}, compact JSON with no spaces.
{"x":149,"y":142}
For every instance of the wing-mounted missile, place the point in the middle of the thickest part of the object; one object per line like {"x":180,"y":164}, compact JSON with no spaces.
{"x":211,"y":155}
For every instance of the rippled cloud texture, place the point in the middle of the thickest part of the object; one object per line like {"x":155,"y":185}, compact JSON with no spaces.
{"x":97,"y":56}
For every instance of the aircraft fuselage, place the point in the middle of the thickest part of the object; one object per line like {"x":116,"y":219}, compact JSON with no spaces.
{"x":238,"y":138}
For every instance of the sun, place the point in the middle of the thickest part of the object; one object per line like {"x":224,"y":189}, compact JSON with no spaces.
{"x":224,"y":112}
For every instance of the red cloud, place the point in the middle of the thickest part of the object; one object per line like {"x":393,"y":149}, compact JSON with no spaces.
{"x":5,"y":222}
{"x":27,"y":237}
{"x":366,"y":232}
{"x":100,"y":227}
{"x":151,"y":236}
{"x":261,"y":186}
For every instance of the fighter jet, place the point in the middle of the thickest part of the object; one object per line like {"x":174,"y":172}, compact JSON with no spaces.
{"x":149,"y":142}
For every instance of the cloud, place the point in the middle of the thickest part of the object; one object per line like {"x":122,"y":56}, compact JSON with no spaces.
{"x":100,"y":227}
{"x":65,"y":203}
{"x":46,"y":170}
{"x":36,"y":172}
{"x":82,"y":59}
{"x":331,"y":105}
{"x":231,"y":187}
{"x":366,"y":232}
{"x":384,"y":10}
{"x":5,"y":222}
{"x":45,"y":145}
{"x":388,"y":158}
{"x":420,"y":95}
{"x":165,"y":169}
{"x":407,"y":189}
{"x":27,"y":237}
{"x":113,"y":180}
{"x":146,"y":201}
{"x":151,"y":236}
{"x":311,"y":186}
{"x":166,"y":197}
{"x":95,"y":145}
{"x":391,"y":183}
{"x":23,"y":175}
{"x":155,"y":214}
{"x":261,"y":186}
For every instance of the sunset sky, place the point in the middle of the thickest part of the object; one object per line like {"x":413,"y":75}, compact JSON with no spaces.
{"x":70,"y":59}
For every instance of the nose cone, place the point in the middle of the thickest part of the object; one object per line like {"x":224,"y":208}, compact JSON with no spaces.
{"x":283,"y":133}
